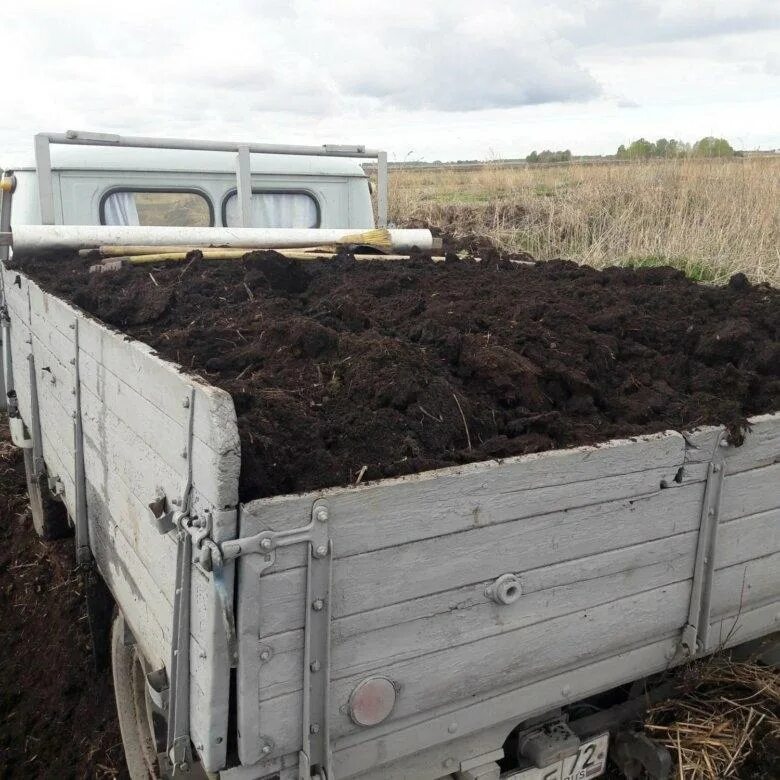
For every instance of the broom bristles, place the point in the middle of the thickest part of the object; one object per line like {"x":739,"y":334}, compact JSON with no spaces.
{"x":379,"y":238}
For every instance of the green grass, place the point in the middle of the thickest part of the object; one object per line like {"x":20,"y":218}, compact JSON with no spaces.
{"x":697,"y":270}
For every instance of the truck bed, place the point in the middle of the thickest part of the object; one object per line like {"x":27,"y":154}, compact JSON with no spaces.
{"x":603,"y":540}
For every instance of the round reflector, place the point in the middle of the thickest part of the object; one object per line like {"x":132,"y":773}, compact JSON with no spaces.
{"x":372,"y":701}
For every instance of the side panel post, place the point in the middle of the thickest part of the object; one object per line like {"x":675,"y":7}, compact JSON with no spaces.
{"x":381,"y":189}
{"x":244,"y":186}
{"x":45,"y":186}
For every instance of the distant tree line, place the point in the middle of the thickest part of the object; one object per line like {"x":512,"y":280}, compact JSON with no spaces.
{"x":549,"y":157}
{"x":642,"y":149}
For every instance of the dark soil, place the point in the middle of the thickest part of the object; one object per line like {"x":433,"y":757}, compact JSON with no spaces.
{"x":342,"y":369}
{"x":57,"y":716}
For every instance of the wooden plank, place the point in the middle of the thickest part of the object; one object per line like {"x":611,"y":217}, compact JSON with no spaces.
{"x":434,"y":503}
{"x":123,"y":469}
{"x":750,"y":492}
{"x":162,"y":435}
{"x":745,"y":585}
{"x":370,"y":640}
{"x":377,"y":579}
{"x":138,"y":366}
{"x":373,"y":750}
{"x":368,"y":526}
{"x":760,"y":448}
{"x":745,"y":538}
{"x":357,"y":651}
{"x":56,"y":428}
{"x":502,"y":661}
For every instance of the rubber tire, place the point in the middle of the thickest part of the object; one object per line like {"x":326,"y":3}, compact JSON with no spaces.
{"x":129,"y":680}
{"x":49,"y":515}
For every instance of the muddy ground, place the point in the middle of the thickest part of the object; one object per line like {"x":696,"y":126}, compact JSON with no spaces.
{"x":343,"y":370}
{"x":56,"y":714}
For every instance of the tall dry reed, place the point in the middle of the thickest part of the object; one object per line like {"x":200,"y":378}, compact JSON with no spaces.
{"x":710,"y":218}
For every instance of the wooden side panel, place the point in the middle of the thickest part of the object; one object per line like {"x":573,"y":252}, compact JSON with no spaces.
{"x":591,"y":535}
{"x":616,"y":549}
{"x":513,"y":659}
{"x":446,"y":501}
{"x":135,"y":425}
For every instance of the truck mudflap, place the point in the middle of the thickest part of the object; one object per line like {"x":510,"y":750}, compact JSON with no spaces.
{"x":409,"y":617}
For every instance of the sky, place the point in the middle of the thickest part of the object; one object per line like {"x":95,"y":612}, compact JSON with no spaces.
{"x":426,"y":80}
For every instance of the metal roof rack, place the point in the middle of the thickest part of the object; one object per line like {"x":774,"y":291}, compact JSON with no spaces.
{"x":243,"y":151}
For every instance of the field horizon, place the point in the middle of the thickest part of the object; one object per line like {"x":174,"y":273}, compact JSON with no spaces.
{"x":710,"y":218}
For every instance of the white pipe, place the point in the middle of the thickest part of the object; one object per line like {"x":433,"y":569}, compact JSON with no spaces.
{"x":43,"y":238}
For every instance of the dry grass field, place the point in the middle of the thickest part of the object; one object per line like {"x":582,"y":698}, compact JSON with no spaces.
{"x":710,"y":218}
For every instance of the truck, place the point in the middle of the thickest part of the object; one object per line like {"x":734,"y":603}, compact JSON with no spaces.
{"x":502,"y":619}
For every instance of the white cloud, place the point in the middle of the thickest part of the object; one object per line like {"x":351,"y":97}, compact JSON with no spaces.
{"x":448,"y":78}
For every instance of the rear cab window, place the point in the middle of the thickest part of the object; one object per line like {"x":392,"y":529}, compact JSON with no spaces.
{"x":156,"y":208}
{"x":274,"y":209}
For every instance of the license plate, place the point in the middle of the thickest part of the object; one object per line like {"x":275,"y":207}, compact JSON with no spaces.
{"x":589,"y":761}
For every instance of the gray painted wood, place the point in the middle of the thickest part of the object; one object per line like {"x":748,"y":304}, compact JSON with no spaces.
{"x":370,"y":750}
{"x":456,"y":499}
{"x":373,"y":639}
{"x":509,"y":659}
{"x":420,"y":609}
{"x":134,"y":432}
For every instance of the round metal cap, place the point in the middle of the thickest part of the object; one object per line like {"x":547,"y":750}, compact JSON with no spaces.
{"x":372,"y":701}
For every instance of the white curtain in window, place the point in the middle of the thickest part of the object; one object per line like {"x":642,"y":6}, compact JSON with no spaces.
{"x":119,"y":209}
{"x":275,"y":210}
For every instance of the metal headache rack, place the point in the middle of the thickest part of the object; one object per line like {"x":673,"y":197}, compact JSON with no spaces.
{"x":243,"y":151}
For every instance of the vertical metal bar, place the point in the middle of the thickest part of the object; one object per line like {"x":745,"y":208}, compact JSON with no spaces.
{"x":81,"y":522}
{"x":696,"y":630}
{"x":244,"y":186}
{"x":316,"y":669}
{"x":381,"y":189}
{"x":6,"y":199}
{"x":714,"y":494}
{"x":7,"y":366}
{"x":45,"y":186}
{"x":35,"y":420}
{"x":179,"y":714}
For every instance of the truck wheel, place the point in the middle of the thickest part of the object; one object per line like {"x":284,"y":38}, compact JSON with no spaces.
{"x":49,"y":516}
{"x":136,"y":720}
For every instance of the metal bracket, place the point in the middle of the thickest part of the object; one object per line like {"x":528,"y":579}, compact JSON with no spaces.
{"x":6,"y":364}
{"x":178,"y":742}
{"x":316,"y":650}
{"x":315,"y":756}
{"x":166,"y":517}
{"x":695,"y":635}
{"x":81,"y":521}
{"x":35,"y":422}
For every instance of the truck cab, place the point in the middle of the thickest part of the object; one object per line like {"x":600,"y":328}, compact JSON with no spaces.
{"x":192,"y":188}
